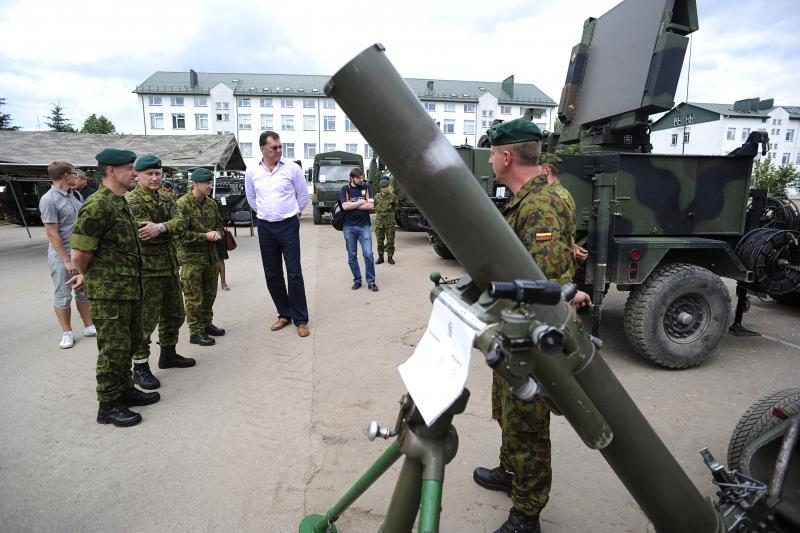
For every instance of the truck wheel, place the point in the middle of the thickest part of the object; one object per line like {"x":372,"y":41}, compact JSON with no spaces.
{"x":762,"y":416}
{"x":678,"y":316}
{"x":792,"y":298}
{"x":441,"y":248}
{"x":317,"y":215}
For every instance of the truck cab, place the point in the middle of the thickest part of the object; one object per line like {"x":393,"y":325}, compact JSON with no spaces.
{"x":330,"y":173}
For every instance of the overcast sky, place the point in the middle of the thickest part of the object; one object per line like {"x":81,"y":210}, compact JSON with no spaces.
{"x":89,"y":55}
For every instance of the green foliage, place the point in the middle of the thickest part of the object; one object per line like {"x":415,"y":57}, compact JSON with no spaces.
{"x":95,"y":124}
{"x":5,"y":119}
{"x":57,"y":121}
{"x":774,"y":180}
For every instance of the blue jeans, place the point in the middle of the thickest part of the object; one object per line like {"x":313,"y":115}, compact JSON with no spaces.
{"x":362,"y":234}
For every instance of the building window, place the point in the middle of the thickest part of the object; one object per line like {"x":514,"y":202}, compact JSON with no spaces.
{"x":483,"y":123}
{"x":469,"y":127}
{"x":351,"y":148}
{"x":469,"y":108}
{"x":731,"y":132}
{"x":797,"y":161}
{"x":505,"y":109}
{"x":774,"y":121}
{"x":201,"y":121}
{"x":309,"y":150}
{"x":288,"y":150}
{"x":244,"y":122}
{"x":176,"y":100}
{"x":244,"y":102}
{"x":287,"y":122}
{"x":247,"y":149}
{"x":690,"y":118}
{"x":154,"y":100}
{"x":779,"y":121}
{"x":789,"y":135}
{"x":328,"y":103}
{"x":676,"y":120}
{"x":449,"y":107}
{"x":674,"y":139}
{"x":686,"y":138}
{"x":329,"y":122}
{"x":449,"y":126}
{"x":778,"y":131}
{"x":430,"y":106}
{"x":490,"y":113}
{"x":223,"y":105}
{"x":157,"y":121}
{"x":266,"y":102}
{"x":309,"y":122}
{"x":223,"y":117}
{"x":348,"y":125}
{"x":368,"y":152}
{"x":745,"y":133}
{"x":266,"y":122}
{"x":330,"y":147}
{"x":200,"y":101}
{"x":309,"y":103}
{"x":785,"y":159}
{"x":286,"y":103}
{"x":178,"y":121}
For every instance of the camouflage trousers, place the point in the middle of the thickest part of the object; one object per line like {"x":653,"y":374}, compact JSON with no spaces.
{"x":524,"y":447}
{"x":162,"y":304}
{"x":385,"y":232}
{"x":199,"y":292}
{"x":119,"y":333}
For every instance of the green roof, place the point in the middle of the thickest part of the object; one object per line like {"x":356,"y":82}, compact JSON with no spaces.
{"x":300,"y":85}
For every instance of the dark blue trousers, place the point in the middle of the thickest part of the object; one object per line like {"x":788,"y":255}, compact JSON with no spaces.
{"x":280,"y":243}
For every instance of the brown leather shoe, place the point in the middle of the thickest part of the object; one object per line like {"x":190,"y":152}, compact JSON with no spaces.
{"x":302,"y":330}
{"x":280,"y":324}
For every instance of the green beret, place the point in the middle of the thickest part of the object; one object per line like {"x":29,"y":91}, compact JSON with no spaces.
{"x":383,"y":183}
{"x":147,"y":162}
{"x":202,"y":174}
{"x":514,"y":131}
{"x":115,"y":158}
{"x":547,"y":157}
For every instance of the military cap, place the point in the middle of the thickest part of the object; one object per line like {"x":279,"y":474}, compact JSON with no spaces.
{"x":202,"y":174}
{"x":514,"y":131}
{"x":383,"y":183}
{"x":552,"y":159}
{"x":147,"y":162}
{"x":114,"y":157}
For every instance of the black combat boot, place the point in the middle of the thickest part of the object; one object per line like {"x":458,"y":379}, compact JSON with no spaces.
{"x":495,"y":479}
{"x":143,"y":377}
{"x":202,"y":339}
{"x":391,"y":260}
{"x":134,"y":397}
{"x":211,"y":329}
{"x":379,"y":260}
{"x":520,"y":523}
{"x":171,"y":359}
{"x":117,"y":414}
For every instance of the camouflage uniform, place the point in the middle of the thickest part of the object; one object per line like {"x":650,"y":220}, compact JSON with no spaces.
{"x":198,"y":259}
{"x":162,"y":301}
{"x":386,"y":204}
{"x":541,"y":220}
{"x":566,"y":196}
{"x":112,"y":282}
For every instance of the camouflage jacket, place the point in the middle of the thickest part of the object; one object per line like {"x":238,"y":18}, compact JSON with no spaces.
{"x":386,"y":204}
{"x":565,"y":195}
{"x":159,"y":257}
{"x":540,"y":218}
{"x":105,"y":227}
{"x":199,"y":218}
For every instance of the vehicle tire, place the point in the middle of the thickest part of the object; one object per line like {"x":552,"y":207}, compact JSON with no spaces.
{"x":441,"y":248}
{"x":758,"y":419}
{"x":317,"y":215}
{"x":678,"y":315}
{"x":792,"y":298}
{"x":407,"y":223}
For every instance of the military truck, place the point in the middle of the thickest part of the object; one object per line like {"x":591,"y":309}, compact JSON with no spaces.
{"x":330,"y":172}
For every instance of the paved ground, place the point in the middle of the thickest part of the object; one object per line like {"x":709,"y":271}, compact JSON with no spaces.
{"x":268,"y":426}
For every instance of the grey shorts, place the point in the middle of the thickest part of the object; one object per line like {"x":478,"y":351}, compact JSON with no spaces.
{"x":62,"y":296}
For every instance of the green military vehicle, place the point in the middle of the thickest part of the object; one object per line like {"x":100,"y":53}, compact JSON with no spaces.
{"x":331,"y":171}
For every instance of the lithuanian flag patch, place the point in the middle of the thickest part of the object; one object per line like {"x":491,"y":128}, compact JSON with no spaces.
{"x":543,"y":236}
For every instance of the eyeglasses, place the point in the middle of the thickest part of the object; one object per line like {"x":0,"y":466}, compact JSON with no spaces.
{"x":275,"y":148}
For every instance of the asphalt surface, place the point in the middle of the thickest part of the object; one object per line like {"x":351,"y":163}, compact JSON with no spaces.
{"x":269,"y":427}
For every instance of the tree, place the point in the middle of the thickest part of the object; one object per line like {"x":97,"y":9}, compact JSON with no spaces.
{"x":5,"y":119}
{"x":58,"y":122}
{"x":774,"y":180}
{"x":95,"y":124}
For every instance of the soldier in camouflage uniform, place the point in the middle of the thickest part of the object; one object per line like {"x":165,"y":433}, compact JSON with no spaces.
{"x":156,"y":215}
{"x":105,"y":251}
{"x":542,"y":221}
{"x":197,"y":254}
{"x":550,"y":162}
{"x":386,"y":205}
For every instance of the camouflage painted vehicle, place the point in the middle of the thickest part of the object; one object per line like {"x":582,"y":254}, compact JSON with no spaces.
{"x":330,"y":172}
